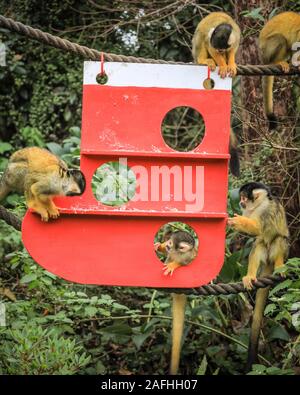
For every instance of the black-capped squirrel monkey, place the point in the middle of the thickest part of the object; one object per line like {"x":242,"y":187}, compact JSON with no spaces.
{"x":275,"y":43}
{"x":40,"y":176}
{"x":263,"y":217}
{"x":215,"y":43}
{"x":180,"y":249}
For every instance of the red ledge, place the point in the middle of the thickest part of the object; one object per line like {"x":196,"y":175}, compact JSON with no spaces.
{"x":177,"y":155}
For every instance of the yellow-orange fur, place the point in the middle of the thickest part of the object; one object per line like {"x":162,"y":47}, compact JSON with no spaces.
{"x":204,"y":53}
{"x":40,"y":175}
{"x":275,"y":43}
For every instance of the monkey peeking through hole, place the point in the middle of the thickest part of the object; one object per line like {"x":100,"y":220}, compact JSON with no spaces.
{"x":178,"y":248}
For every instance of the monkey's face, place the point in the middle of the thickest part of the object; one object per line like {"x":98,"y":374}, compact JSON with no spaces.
{"x":257,"y":197}
{"x":243,"y":201}
{"x":74,"y":183}
{"x":181,"y":246}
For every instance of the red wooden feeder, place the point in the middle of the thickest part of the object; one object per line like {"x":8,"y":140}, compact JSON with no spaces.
{"x":93,"y":243}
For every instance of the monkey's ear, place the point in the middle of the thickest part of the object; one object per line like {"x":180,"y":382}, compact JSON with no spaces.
{"x":231,"y":39}
{"x":259,"y":193}
{"x":169,"y":243}
{"x":210,"y":33}
{"x":185,"y":246}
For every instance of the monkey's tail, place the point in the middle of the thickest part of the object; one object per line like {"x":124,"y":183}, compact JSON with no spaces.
{"x":267,"y":86}
{"x":178,"y":310}
{"x":257,"y":319}
{"x":260,"y":302}
{"x":234,"y":163}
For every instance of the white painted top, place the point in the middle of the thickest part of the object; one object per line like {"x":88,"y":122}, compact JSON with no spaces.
{"x":154,"y":75}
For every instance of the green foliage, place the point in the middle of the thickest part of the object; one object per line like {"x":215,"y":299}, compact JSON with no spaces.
{"x":34,"y":350}
{"x":98,"y":330}
{"x":114,"y":184}
{"x":259,"y":370}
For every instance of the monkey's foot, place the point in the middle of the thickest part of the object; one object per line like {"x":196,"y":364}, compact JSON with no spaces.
{"x":285,"y":66}
{"x":232,"y":69}
{"x":223,"y":71}
{"x":40,"y":210}
{"x":170,"y":267}
{"x":43,"y":213}
{"x":247,"y":281}
{"x":53,"y":212}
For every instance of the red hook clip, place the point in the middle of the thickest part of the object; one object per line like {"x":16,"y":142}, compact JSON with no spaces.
{"x":102,"y":72}
{"x":208,"y":73}
{"x":102,"y":76}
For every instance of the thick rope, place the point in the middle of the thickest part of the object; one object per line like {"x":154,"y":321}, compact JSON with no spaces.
{"x":10,"y":218}
{"x":93,"y":54}
{"x":205,"y":290}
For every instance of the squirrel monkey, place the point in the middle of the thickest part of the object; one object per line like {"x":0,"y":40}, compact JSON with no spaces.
{"x":263,"y":217}
{"x":40,"y":175}
{"x":275,"y":43}
{"x":180,"y":248}
{"x":215,"y":43}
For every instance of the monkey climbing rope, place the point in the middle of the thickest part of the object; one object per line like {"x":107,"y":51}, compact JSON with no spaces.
{"x":93,"y":54}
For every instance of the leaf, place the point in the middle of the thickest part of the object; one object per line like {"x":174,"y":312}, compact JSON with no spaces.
{"x":139,"y":339}
{"x":203,"y":366}
{"x":270,"y":308}
{"x":278,"y":332}
{"x":117,"y":329}
{"x":13,"y":199}
{"x":55,"y":148}
{"x":4,"y":147}
{"x":90,"y":311}
{"x":28,"y":278}
{"x":280,"y":286}
{"x":67,"y":114}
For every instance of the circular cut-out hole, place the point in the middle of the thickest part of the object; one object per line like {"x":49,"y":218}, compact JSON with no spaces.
{"x":113,"y":184}
{"x":176,"y":245}
{"x":183,"y":129}
{"x":102,"y":78}
{"x":209,"y":83}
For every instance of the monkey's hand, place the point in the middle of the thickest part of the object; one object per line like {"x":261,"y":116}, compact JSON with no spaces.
{"x":161,"y":247}
{"x":156,"y":246}
{"x":208,"y":62}
{"x":223,"y":71}
{"x":244,"y":224}
{"x":170,"y":267}
{"x":248,"y":281}
{"x":234,"y":221}
{"x":232,"y":69}
{"x":284,"y":65}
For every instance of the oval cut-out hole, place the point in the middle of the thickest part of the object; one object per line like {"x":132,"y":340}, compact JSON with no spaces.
{"x":176,"y":245}
{"x":183,"y":129}
{"x":102,"y":78}
{"x":113,"y":184}
{"x":209,"y":83}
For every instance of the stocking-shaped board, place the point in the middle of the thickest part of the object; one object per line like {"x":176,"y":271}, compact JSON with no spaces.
{"x":94,"y":243}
